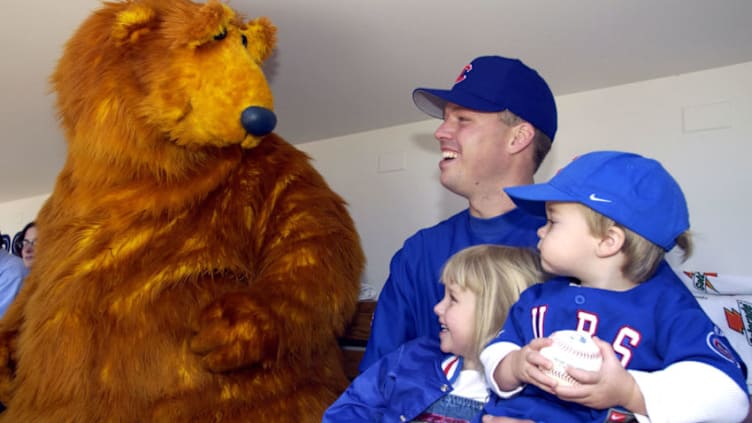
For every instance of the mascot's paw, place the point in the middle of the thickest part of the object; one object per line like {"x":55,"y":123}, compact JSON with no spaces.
{"x":234,"y":332}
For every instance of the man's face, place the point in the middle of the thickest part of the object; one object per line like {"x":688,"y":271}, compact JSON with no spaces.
{"x":473,"y":147}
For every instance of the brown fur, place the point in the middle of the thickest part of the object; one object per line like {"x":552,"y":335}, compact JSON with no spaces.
{"x":187,"y":271}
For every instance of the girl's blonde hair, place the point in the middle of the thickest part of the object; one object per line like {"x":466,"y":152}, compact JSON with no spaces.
{"x":496,"y":275}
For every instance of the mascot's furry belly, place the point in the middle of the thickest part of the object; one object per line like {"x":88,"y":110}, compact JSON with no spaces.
{"x":226,"y":309}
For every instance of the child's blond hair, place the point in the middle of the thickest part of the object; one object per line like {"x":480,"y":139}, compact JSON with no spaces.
{"x":642,"y":256}
{"x":496,"y":275}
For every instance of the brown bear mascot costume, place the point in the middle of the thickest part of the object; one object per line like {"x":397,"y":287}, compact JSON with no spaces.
{"x":193,"y":266}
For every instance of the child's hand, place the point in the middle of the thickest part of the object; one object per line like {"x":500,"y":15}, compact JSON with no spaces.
{"x":611,"y":386}
{"x":524,"y":366}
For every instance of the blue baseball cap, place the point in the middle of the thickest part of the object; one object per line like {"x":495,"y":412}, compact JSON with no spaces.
{"x":634,"y":191}
{"x":494,"y":84}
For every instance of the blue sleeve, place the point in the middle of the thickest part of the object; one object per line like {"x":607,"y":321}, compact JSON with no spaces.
{"x":12,"y":274}
{"x":692,"y":336}
{"x":686,"y":333}
{"x":393,"y":318}
{"x":365,"y":400}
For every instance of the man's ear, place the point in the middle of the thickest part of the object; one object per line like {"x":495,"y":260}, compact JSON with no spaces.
{"x":612,"y":242}
{"x":522,"y":136}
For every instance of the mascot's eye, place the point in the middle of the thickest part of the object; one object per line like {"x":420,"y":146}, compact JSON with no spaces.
{"x":245,"y":41}
{"x":221,"y":35}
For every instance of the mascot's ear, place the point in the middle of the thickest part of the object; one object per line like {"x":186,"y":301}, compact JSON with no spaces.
{"x":262,"y":37}
{"x":208,"y":24}
{"x":132,"y":23}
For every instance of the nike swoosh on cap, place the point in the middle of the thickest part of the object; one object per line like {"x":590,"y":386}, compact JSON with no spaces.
{"x":593,"y":197}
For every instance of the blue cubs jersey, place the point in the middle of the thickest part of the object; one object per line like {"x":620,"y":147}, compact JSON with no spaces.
{"x":650,"y":327}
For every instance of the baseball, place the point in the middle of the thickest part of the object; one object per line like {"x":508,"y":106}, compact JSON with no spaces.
{"x":574,"y":349}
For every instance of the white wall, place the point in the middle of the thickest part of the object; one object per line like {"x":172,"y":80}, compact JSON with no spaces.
{"x":14,"y":215}
{"x":698,"y":125}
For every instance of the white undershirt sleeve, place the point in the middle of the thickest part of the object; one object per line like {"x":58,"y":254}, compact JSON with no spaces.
{"x":690,"y":391}
{"x":490,"y":357}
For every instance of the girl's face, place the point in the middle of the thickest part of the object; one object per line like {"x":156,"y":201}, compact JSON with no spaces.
{"x":456,"y":312}
{"x":29,"y":242}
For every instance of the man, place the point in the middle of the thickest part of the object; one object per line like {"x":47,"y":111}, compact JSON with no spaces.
{"x":12,"y":273}
{"x":499,"y":120}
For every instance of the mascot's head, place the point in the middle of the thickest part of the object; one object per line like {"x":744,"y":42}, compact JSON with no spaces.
{"x":151,"y":80}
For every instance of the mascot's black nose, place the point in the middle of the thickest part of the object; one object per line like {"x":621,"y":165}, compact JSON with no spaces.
{"x":258,"y":121}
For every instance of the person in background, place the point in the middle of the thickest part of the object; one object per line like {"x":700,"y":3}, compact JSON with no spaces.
{"x":611,"y":217}
{"x":5,"y":242}
{"x":499,"y":120}
{"x":12,"y":274}
{"x":430,"y":379}
{"x":25,"y":242}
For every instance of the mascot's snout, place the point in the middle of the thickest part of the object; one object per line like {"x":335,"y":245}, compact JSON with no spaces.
{"x":258,"y":121}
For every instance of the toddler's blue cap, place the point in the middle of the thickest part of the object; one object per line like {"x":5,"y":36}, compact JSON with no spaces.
{"x":634,"y":191}
{"x":494,"y":84}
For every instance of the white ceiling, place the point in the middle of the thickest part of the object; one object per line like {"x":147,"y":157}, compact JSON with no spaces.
{"x":346,"y":66}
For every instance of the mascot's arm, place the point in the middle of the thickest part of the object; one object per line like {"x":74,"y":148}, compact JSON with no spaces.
{"x":9,"y":327}
{"x":310,"y":261}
